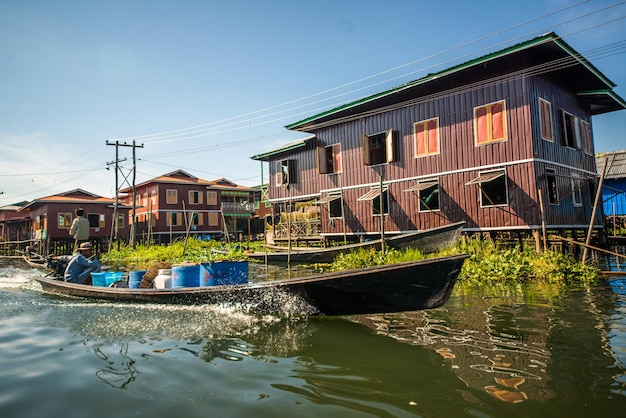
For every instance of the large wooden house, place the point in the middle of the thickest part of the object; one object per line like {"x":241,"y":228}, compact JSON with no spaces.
{"x":503,"y":142}
{"x":52,"y":216}
{"x":178,"y":204}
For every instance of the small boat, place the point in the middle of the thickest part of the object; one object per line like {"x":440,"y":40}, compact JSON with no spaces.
{"x":427,"y":241}
{"x":36,"y":262}
{"x":407,"y":286}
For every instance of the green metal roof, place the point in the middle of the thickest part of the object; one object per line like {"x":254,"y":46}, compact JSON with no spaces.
{"x":288,"y":147}
{"x":544,"y":39}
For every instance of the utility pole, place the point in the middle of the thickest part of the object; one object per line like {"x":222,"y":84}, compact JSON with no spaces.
{"x":134,"y":170}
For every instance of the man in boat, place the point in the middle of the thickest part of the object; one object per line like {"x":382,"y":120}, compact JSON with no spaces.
{"x":79,"y":229}
{"x":82,"y":264}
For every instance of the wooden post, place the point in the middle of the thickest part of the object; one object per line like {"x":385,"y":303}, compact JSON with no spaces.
{"x":382,"y":216}
{"x":543,"y":220}
{"x":595,"y":208}
{"x":537,"y":241}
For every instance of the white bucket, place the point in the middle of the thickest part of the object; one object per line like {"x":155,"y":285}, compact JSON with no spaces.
{"x":163,"y":280}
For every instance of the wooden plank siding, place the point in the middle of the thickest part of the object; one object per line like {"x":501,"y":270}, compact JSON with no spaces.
{"x":517,"y":77}
{"x":459,"y":161}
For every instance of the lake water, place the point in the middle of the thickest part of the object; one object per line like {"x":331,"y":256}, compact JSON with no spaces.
{"x":498,"y":353}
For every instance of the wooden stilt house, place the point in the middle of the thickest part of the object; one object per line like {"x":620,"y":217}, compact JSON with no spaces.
{"x":503,"y":142}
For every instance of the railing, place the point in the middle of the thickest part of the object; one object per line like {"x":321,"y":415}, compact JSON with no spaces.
{"x":298,"y":230}
{"x":236,"y":207}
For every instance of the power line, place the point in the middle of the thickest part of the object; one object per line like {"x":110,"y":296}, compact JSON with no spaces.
{"x":218,"y":126}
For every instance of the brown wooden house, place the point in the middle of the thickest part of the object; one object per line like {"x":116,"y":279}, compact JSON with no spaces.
{"x":176,"y":204}
{"x":14,"y":228}
{"x":503,"y":142}
{"x":52,"y":216}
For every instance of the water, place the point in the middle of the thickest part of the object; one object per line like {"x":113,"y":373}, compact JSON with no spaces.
{"x":501,"y":353}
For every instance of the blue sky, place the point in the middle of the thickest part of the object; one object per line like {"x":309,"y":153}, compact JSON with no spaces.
{"x":204,"y":85}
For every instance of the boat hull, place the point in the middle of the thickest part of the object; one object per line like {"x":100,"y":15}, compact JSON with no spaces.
{"x":427,"y":241}
{"x":409,"y":286}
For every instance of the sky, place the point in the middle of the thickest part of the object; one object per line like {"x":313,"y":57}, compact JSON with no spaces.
{"x":203,"y":85}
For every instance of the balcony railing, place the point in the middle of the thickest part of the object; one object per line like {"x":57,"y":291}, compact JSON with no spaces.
{"x":236,"y":207}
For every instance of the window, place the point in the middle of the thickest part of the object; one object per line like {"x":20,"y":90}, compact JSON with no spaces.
{"x":335,"y":205}
{"x":490,"y":123}
{"x":195,"y":198}
{"x":196,"y":219}
{"x":213,"y":219}
{"x":570,"y":131}
{"x":285,"y":173}
{"x":429,"y":196}
{"x":329,"y":159}
{"x":585,"y":134}
{"x":376,"y":204}
{"x":426,"y":137}
{"x":577,"y":184}
{"x":378,"y":148}
{"x":545,"y":119}
{"x":174,"y":219}
{"x":373,"y":196}
{"x":171,"y":196}
{"x":94,"y":220}
{"x":65,"y":220}
{"x":211,"y":198}
{"x":120,"y":220}
{"x":493,"y":189}
{"x":553,"y":194}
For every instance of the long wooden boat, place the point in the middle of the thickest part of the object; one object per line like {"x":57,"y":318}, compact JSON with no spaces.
{"x":36,"y":262}
{"x":427,"y":241}
{"x":408,"y":286}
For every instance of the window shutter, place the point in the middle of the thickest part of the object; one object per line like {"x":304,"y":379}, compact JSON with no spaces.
{"x":433,"y":137}
{"x":336,"y":158}
{"x":322,"y":164}
{"x":420,"y":142}
{"x":497,"y":121}
{"x":389,"y":143}
{"x":482,"y":136}
{"x":366,"y":150}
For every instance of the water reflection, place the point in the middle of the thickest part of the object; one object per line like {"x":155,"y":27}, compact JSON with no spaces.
{"x":512,"y":347}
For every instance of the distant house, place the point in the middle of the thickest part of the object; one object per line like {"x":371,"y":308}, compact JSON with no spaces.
{"x":176,"y":204}
{"x":52,"y":216}
{"x":613,"y":186}
{"x":503,"y":142}
{"x":14,"y":227}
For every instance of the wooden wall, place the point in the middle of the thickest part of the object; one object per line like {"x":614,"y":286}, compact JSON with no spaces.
{"x":524,"y":156}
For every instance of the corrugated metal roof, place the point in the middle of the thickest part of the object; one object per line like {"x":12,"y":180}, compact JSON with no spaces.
{"x":556,"y":48}
{"x":287,"y":147}
{"x":616,"y":166}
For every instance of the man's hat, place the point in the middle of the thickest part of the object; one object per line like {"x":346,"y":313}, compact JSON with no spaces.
{"x":85,"y":246}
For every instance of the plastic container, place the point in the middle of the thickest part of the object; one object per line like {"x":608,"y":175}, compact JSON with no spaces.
{"x":106,"y":279}
{"x":185,"y":275}
{"x":97,"y":279}
{"x":163,"y":279}
{"x":219,"y":273}
{"x":134,"y":278}
{"x":111,"y":277}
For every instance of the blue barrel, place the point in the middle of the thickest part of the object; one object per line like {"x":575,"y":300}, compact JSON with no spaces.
{"x":134,"y":278}
{"x":229,"y":272}
{"x":186,"y":275}
{"x":207,"y":275}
